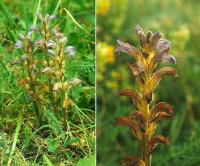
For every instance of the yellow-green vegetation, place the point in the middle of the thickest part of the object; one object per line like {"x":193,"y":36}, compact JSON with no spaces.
{"x":179,"y":22}
{"x":47,"y":83}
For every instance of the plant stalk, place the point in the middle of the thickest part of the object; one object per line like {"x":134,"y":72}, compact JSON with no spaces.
{"x":35,"y":104}
{"x":145,"y":154}
{"x":64,"y":111}
{"x":50,"y":81}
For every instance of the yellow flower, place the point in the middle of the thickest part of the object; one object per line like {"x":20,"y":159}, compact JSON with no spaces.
{"x":105,"y":55}
{"x":112,"y":85}
{"x":103,"y":6}
{"x":105,"y":52}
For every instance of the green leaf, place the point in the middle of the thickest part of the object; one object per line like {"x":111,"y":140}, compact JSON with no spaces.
{"x":7,"y":15}
{"x":71,"y":141}
{"x":89,"y":161}
{"x":46,"y":159}
{"x":52,"y":144}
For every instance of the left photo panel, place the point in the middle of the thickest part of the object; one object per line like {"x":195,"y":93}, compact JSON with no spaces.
{"x":47,"y":83}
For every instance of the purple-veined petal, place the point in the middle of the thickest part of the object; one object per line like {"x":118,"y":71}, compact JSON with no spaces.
{"x":162,"y":44}
{"x":51,"y":52}
{"x":155,"y":38}
{"x":18,"y":44}
{"x":172,"y":59}
{"x":169,"y":58}
{"x":149,"y":36}
{"x":63,"y":39}
{"x":70,"y":50}
{"x":162,"y":52}
{"x":127,"y":48}
{"x":51,"y":44}
{"x":21,"y":36}
{"x":141,"y":35}
{"x":52,"y":17}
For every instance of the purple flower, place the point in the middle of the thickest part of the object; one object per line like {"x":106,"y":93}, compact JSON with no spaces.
{"x":18,"y":44}
{"x":70,"y":51}
{"x":51,"y":44}
{"x":162,"y":49}
{"x":152,"y":44}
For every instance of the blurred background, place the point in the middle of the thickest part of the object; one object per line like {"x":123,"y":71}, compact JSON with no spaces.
{"x":179,"y":22}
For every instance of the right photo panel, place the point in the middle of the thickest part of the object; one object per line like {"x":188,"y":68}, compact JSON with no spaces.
{"x":148,"y":74}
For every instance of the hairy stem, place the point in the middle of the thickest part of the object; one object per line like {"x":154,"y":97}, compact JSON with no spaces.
{"x":146,"y":156}
{"x":64,"y":110}
{"x":35,"y":103}
{"x":63,"y":95}
{"x":145,"y":153}
{"x":51,"y":96}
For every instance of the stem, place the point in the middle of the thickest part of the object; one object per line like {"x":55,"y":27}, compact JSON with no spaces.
{"x":64,"y":110}
{"x":50,"y":80}
{"x":146,"y":156}
{"x":35,"y":104}
{"x":63,"y":94}
{"x":145,"y":153}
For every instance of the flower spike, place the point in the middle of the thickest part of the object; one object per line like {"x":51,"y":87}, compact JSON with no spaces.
{"x":143,"y":121}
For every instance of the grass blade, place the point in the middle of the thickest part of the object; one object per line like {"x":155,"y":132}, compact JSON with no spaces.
{"x":36,"y":12}
{"x":17,"y":130}
{"x":7,"y":15}
{"x":57,"y":6}
{"x":72,"y":18}
{"x":46,"y":159}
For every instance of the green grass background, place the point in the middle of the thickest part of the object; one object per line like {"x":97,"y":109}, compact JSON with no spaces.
{"x":17,"y":16}
{"x":179,"y":22}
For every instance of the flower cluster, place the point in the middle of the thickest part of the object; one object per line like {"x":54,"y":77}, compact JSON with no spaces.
{"x":142,"y":122}
{"x":44,"y":65}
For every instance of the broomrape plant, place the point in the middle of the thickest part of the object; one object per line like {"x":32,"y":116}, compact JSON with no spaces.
{"x":43,"y":64}
{"x":143,"y":122}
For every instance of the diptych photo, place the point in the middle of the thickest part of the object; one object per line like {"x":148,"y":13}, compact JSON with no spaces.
{"x":99,"y":83}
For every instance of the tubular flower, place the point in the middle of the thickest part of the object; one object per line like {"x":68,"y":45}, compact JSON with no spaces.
{"x":142,"y":122}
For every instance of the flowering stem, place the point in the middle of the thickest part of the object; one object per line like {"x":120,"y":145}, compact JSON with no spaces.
{"x":51,"y":87}
{"x":48,"y":65}
{"x":143,"y":121}
{"x":35,"y":103}
{"x":63,"y":95}
{"x":145,"y":153}
{"x":146,"y":156}
{"x":64,"y":109}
